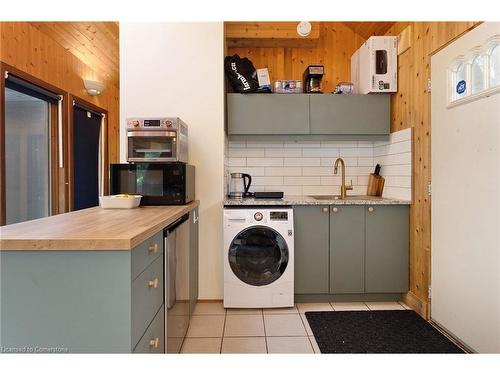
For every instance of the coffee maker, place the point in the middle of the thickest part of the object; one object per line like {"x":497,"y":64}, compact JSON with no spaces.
{"x":312,"y":79}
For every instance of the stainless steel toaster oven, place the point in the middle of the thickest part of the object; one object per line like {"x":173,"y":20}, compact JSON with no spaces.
{"x":157,"y":139}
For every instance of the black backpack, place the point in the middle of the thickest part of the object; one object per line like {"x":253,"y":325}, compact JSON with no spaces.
{"x":241,"y":74}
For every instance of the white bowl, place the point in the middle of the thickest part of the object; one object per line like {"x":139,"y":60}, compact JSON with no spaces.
{"x":120,"y":201}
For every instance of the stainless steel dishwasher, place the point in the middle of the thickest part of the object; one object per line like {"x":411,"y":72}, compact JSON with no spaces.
{"x":176,"y":242}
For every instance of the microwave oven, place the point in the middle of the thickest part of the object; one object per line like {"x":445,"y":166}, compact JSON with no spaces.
{"x":158,"y":139}
{"x":158,"y":183}
{"x":374,"y":66}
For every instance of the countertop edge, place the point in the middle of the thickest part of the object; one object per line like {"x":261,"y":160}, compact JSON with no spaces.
{"x":308,"y":201}
{"x":85,"y":244}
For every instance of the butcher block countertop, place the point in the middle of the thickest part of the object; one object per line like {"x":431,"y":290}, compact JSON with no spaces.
{"x":91,"y":229}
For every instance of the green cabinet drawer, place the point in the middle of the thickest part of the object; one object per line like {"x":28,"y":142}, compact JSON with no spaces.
{"x":267,"y":114}
{"x":147,"y":297}
{"x":311,"y":226}
{"x":153,"y":340}
{"x":387,"y":243}
{"x":145,"y":253}
{"x":347,"y":249}
{"x":350,"y":114}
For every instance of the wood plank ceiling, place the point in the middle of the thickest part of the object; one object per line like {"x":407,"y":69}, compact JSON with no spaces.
{"x":367,"y":29}
{"x":96,"y":44}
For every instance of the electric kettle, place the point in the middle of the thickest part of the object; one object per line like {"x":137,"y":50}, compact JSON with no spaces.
{"x":239,"y":185}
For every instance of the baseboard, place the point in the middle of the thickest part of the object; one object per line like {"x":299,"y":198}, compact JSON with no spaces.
{"x":416,"y":304}
{"x":368,"y":297}
{"x":208,"y":300}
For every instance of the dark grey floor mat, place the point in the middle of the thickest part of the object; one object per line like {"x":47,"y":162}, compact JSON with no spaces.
{"x":393,"y":331}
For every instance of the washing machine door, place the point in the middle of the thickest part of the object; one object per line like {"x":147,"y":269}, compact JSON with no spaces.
{"x":258,"y":255}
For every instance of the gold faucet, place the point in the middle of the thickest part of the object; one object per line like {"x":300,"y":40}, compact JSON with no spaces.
{"x":344,"y":187}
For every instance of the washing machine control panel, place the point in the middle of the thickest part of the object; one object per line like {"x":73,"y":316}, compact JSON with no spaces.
{"x":278,"y":216}
{"x":258,"y":216}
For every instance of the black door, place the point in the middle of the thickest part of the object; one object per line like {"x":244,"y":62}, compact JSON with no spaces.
{"x":86,"y":141}
{"x":258,"y":256}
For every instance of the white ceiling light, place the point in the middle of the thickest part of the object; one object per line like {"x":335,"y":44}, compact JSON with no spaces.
{"x":304,"y":28}
{"x":93,"y":87}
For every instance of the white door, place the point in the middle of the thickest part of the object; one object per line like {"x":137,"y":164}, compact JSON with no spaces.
{"x":465,"y":257}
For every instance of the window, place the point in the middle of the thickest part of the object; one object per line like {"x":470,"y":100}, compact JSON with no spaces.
{"x":494,"y":70}
{"x":477,"y":75}
{"x":460,"y":82}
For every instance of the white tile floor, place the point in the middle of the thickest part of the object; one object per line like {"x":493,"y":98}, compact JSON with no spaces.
{"x":214,"y":329}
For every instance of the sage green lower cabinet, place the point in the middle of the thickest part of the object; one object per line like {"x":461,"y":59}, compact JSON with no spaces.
{"x":347,"y":249}
{"x":91,"y":301}
{"x":351,"y":250}
{"x":312,"y":226}
{"x":387,"y":241}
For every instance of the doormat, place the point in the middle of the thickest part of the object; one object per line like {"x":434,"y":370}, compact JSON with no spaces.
{"x":388,"y":331}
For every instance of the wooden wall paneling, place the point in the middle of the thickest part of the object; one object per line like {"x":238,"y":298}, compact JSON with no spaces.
{"x":335,"y":46}
{"x":268,"y":34}
{"x":367,"y":29}
{"x":26,"y":48}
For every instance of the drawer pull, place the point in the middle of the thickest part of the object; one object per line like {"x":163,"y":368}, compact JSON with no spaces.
{"x":335,"y":209}
{"x":154,"y":343}
{"x":153,"y":248}
{"x":153,"y":283}
{"x":325,"y":210}
{"x":370,"y":209}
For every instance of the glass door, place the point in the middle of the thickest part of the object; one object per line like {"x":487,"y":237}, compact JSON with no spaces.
{"x":27,"y":157}
{"x":152,"y":146}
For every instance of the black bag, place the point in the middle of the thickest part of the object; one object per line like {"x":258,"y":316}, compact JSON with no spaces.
{"x":241,"y":74}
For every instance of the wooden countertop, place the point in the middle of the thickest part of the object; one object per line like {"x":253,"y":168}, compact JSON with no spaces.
{"x":91,"y":229}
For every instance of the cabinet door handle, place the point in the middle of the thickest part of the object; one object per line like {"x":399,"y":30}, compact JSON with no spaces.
{"x":335,"y":209}
{"x":325,"y":210}
{"x":370,"y":209}
{"x":154,"y":343}
{"x":153,"y":283}
{"x":153,"y":248}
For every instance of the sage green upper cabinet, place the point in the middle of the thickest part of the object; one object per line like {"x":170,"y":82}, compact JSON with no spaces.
{"x":311,"y":226}
{"x":350,"y":114}
{"x":347,"y":249}
{"x":387,"y":238}
{"x":267,"y":114}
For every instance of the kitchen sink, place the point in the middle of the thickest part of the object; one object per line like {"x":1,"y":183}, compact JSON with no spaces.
{"x":349,"y":197}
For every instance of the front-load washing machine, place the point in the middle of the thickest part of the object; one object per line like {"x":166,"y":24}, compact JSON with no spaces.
{"x":258,"y":257}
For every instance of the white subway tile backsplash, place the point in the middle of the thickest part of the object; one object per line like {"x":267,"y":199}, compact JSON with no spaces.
{"x":330,"y":162}
{"x":339,"y":144}
{"x":302,"y":180}
{"x":283,"y":152}
{"x":253,"y":171}
{"x":354,"y":152}
{"x":264,"y":181}
{"x":287,"y":190}
{"x":306,"y":167}
{"x":283,"y":171}
{"x":320,"y":152}
{"x":246,"y":152}
{"x":317,"y":171}
{"x":237,"y":162}
{"x":302,"y":144}
{"x":232,"y":144}
{"x":365,"y":162}
{"x":276,"y":144}
{"x":302,"y":162}
{"x":265,"y":162}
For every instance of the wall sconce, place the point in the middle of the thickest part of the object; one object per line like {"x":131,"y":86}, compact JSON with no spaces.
{"x":304,"y":28}
{"x":93,"y":87}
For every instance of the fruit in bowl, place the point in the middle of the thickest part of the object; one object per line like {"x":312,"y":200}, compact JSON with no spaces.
{"x":120,"y":201}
